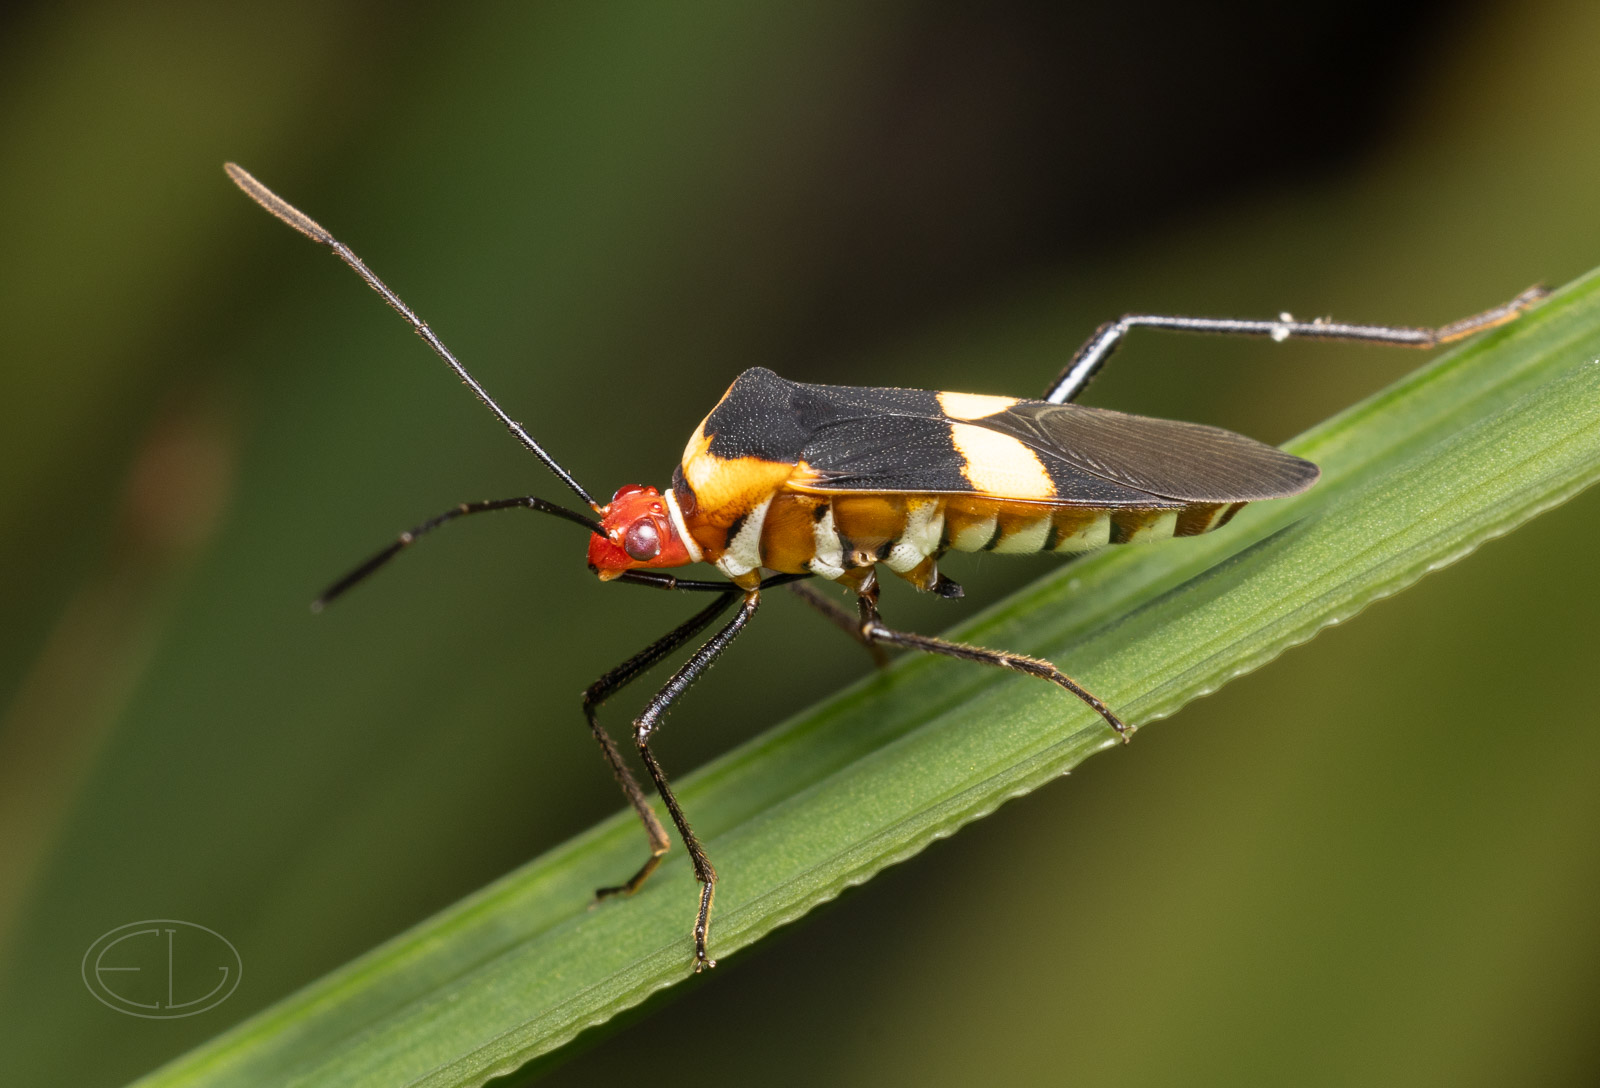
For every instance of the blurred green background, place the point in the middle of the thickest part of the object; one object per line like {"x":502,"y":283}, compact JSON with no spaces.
{"x":1373,"y":862}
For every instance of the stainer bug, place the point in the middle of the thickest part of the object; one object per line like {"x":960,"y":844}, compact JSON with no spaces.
{"x":785,"y":481}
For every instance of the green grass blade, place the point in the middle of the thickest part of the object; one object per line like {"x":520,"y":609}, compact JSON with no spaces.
{"x":1414,"y":478}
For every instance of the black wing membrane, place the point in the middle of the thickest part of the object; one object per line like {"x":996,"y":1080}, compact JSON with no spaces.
{"x":911,"y":454}
{"x":855,"y":438}
{"x":1168,"y":458}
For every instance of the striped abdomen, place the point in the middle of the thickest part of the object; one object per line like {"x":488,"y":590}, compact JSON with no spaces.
{"x":832,"y":535}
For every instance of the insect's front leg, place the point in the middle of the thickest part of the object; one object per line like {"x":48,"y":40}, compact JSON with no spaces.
{"x":613,"y":682}
{"x":647,"y":723}
{"x":1088,"y":359}
{"x":873,"y":628}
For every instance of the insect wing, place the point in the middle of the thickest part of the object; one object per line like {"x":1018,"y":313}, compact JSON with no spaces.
{"x":1187,"y":462}
{"x":941,"y":456}
{"x":898,"y":440}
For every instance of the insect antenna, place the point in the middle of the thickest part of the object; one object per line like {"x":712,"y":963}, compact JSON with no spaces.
{"x":405,"y":539}
{"x":309,"y":227}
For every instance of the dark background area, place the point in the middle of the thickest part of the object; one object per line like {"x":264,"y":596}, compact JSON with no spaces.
{"x":1373,"y":861}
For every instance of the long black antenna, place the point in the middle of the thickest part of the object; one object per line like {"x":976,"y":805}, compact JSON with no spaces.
{"x":406,"y":539}
{"x":309,"y":227}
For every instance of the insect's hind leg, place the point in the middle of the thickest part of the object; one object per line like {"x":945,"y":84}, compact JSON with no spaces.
{"x":872,"y":627}
{"x":840,"y":618}
{"x":1089,"y":358}
{"x":613,"y":682}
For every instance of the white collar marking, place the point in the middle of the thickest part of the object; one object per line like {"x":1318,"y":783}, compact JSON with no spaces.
{"x":682,"y":529}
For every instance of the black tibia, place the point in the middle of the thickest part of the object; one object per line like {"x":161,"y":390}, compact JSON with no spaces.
{"x":647,"y":723}
{"x":404,"y":541}
{"x":872,"y":628}
{"x":840,"y":618}
{"x":614,"y":681}
{"x":1093,"y":354}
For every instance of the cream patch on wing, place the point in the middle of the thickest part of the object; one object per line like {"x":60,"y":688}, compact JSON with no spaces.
{"x":999,"y":465}
{"x":972,"y":405}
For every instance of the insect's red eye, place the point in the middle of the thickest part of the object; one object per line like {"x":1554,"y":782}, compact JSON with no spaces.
{"x":643,"y":541}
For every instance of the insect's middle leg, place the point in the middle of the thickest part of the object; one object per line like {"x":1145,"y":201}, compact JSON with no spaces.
{"x":872,"y":627}
{"x":613,"y":682}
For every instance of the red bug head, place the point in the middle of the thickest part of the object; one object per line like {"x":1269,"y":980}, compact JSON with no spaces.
{"x":638,"y":533}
